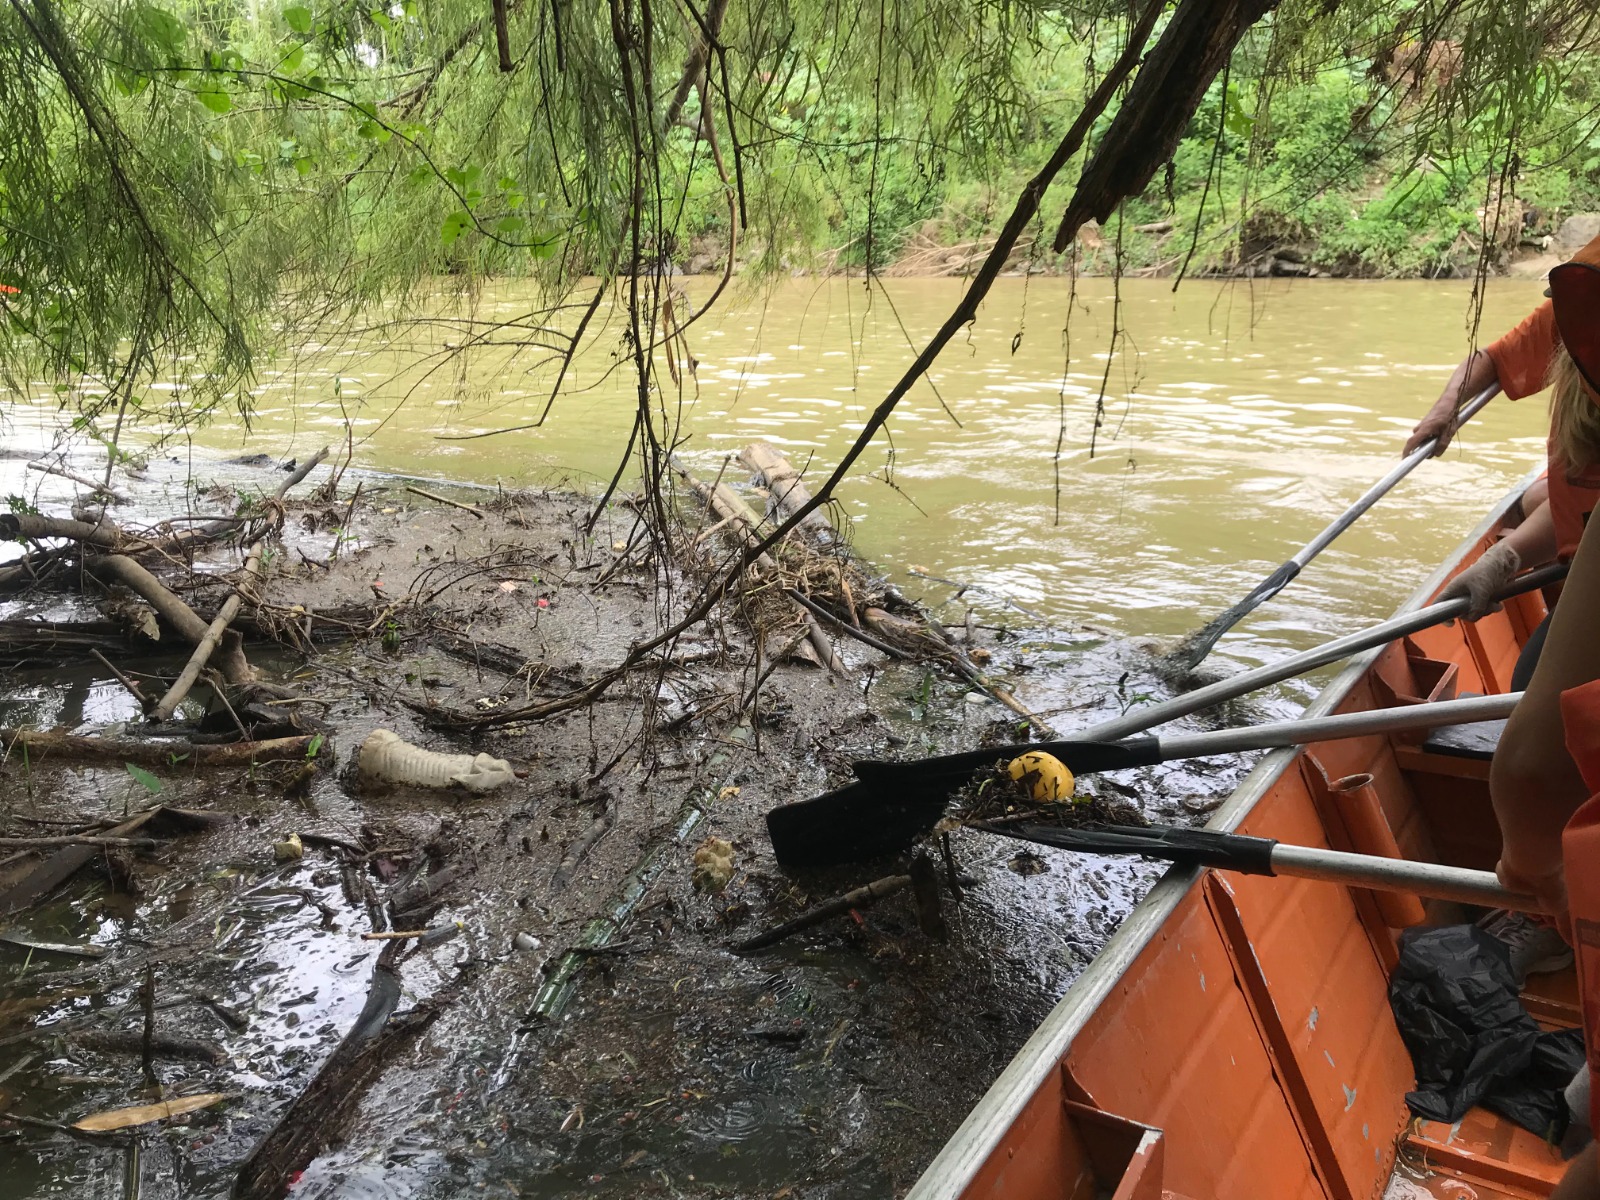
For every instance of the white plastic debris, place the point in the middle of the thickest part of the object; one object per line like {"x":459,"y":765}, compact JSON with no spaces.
{"x":386,"y":758}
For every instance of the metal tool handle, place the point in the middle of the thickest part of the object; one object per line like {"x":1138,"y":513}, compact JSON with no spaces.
{"x":1400,"y":470}
{"x":1324,"y":729}
{"x":1197,"y":646}
{"x":1399,"y":875}
{"x":1297,"y":664}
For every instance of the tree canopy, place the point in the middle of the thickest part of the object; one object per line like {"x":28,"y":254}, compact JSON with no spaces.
{"x":185,"y":185}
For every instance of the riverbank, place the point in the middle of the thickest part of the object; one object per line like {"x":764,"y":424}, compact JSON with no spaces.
{"x":580,"y":1022}
{"x":1164,"y":248}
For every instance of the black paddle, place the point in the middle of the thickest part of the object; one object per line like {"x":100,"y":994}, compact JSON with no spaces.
{"x":892,"y":805}
{"x":1197,"y":645}
{"x":1267,"y":856}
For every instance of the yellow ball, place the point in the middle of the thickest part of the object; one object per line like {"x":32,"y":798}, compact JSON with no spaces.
{"x":1052,"y":782}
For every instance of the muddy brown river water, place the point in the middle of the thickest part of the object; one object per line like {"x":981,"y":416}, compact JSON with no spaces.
{"x":1239,"y":419}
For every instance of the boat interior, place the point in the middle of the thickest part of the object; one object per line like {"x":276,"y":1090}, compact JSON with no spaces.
{"x":1240,"y":1043}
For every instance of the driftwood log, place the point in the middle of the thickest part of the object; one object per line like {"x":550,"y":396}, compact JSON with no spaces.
{"x":63,"y":865}
{"x":786,"y":494}
{"x":727,"y":505}
{"x":41,"y":743}
{"x":74,"y":477}
{"x":316,"y":1118}
{"x":209,"y":642}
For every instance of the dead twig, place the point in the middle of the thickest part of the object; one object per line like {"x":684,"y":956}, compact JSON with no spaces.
{"x":477,"y":512}
{"x":133,"y":688}
{"x":74,"y":477}
{"x":862,"y":896}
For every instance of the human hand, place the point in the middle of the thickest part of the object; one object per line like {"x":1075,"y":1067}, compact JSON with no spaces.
{"x":1478,"y":584}
{"x":1535,"y":876}
{"x":1439,"y":422}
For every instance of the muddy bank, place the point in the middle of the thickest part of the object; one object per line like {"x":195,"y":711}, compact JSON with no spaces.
{"x":578,"y":1022}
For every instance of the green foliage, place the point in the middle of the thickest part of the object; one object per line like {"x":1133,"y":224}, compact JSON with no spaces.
{"x":186,"y":185}
{"x":143,"y":778}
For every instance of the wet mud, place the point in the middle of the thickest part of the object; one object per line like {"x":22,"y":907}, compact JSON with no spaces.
{"x":595,"y":1033}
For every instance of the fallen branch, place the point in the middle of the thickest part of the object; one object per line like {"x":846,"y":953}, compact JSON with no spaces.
{"x":133,"y":688}
{"x":425,"y":890}
{"x":134,"y":1041}
{"x":63,"y":473}
{"x":317,"y":1116}
{"x":223,"y":525}
{"x":860,"y":635}
{"x":32,"y":527}
{"x":86,"y":1135}
{"x":475,"y":511}
{"x":213,"y":636}
{"x":786,"y":494}
{"x":726,"y":504}
{"x":859,"y":898}
{"x":112,"y":843}
{"x":62,"y":866}
{"x":156,"y":751}
{"x":175,"y":612}
{"x":978,"y":679}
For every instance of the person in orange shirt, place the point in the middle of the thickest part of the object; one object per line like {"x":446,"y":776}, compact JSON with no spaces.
{"x":1545,"y":777}
{"x":1545,"y":786}
{"x":1557,"y":507}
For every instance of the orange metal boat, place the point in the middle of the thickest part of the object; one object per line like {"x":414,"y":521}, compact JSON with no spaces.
{"x":1234,"y":1039}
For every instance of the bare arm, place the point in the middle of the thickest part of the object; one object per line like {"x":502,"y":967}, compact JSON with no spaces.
{"x":1476,"y":372}
{"x":1534,"y":784}
{"x":1535,"y":539}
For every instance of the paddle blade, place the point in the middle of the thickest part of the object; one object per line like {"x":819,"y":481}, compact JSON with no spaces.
{"x":1193,"y":650}
{"x":893,"y":805}
{"x":852,"y":824}
{"x":953,"y":771}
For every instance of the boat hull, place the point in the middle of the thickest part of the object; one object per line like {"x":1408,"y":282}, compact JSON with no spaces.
{"x":1234,"y":1039}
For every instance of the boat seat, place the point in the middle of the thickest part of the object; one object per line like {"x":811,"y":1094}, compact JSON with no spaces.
{"x":1476,"y":739}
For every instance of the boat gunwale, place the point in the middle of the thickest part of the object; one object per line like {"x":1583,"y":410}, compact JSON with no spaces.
{"x":984,"y":1128}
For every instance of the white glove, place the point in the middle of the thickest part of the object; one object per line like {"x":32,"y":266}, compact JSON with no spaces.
{"x":1494,"y":570}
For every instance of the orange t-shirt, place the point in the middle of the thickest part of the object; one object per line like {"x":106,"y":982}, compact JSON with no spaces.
{"x":1522,"y":356}
{"x":1522,"y":363}
{"x":1580,"y":851}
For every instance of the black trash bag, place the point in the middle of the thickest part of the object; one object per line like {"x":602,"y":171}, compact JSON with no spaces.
{"x":1460,"y":1014}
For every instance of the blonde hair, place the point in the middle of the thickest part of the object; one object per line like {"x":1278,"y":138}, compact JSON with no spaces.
{"x":1574,"y":414}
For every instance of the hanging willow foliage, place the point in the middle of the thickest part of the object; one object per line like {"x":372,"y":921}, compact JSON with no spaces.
{"x":185,"y":186}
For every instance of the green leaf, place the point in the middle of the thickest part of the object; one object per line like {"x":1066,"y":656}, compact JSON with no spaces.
{"x":545,"y":249}
{"x":144,"y":779}
{"x":512,"y":224}
{"x":453,"y":226}
{"x":216,"y":101}
{"x":1234,"y":118}
{"x":293,"y":60}
{"x":316,"y":745}
{"x":160,"y":28}
{"x":298,"y":18}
